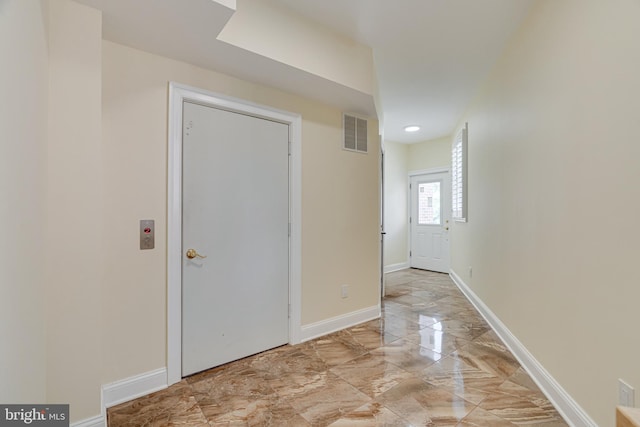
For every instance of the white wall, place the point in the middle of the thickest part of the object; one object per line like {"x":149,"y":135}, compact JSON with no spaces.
{"x":277,"y":33}
{"x":75,"y":215}
{"x":395,"y":204}
{"x":553,"y":195}
{"x":23,"y":130}
{"x":83,"y":157}
{"x":430,"y":154}
{"x":340,"y":230}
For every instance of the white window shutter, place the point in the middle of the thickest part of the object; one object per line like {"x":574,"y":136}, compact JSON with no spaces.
{"x":459,"y":176}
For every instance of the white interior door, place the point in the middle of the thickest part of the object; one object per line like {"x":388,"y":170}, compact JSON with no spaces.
{"x":429,"y":221}
{"x":235,"y":202}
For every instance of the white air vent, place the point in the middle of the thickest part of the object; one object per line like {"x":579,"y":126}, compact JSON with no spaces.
{"x":355,"y":134}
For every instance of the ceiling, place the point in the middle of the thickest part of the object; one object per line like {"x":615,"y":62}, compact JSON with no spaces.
{"x":431,"y":56}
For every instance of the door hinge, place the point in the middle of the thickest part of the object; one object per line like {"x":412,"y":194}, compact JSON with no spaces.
{"x":409,"y":220}
{"x":289,"y":148}
{"x":289,"y":229}
{"x":289,"y":310}
{"x":409,"y":254}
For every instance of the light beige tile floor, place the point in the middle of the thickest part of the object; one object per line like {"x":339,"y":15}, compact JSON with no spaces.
{"x":431,"y":360}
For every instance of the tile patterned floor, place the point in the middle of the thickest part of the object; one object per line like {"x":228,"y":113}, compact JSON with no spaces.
{"x":430,"y":361}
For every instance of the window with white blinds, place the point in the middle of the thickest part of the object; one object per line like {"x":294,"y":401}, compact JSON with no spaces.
{"x":459,"y":176}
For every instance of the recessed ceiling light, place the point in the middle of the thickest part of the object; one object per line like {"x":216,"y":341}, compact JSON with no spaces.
{"x":412,"y":128}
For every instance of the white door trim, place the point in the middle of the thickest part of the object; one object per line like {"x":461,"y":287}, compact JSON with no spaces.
{"x":383,"y":284}
{"x":442,"y":169}
{"x":179,"y":93}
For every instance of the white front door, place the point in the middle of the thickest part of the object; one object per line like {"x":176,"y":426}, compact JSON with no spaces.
{"x":235,"y":244}
{"x":430,"y":220}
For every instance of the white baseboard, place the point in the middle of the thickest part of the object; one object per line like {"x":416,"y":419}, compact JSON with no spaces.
{"x":97,"y":421}
{"x":125,"y":390}
{"x":573,"y":414}
{"x":324,"y":327}
{"x":396,"y":267}
{"x":133,"y":387}
{"x":140,"y":385}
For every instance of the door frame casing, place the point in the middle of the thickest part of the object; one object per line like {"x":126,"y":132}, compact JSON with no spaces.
{"x":443,"y":169}
{"x":178,"y":94}
{"x":383,"y":283}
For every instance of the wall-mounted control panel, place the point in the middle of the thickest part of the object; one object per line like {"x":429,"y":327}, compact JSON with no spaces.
{"x":147,"y":234}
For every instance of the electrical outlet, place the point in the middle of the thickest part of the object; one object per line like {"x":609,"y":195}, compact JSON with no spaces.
{"x":345,"y":291}
{"x":626,"y":394}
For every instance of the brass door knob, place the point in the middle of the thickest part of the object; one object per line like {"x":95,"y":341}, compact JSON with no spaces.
{"x":192,"y":253}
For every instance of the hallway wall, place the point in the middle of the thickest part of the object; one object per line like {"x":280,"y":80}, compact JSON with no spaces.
{"x":395,"y":203}
{"x":74,"y":211}
{"x":266,"y":28}
{"x":430,"y":154}
{"x":84,"y":157}
{"x":23,"y":126}
{"x":339,"y":204}
{"x":553,"y":195}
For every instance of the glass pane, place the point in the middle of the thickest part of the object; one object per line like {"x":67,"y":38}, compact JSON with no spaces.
{"x":429,"y":203}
